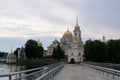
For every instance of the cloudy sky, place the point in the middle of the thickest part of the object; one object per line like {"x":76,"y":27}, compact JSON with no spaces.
{"x":21,"y":20}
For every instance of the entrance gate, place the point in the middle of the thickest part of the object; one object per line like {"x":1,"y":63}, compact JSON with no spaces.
{"x":72,"y":61}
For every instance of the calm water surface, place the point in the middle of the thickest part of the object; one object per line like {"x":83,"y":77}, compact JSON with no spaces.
{"x":7,"y":68}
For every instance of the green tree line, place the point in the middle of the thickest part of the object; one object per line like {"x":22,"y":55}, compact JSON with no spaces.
{"x":58,"y":53}
{"x":102,"y":52}
{"x":32,"y":49}
{"x":3,"y":54}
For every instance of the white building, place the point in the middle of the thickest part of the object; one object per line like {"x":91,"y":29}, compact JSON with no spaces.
{"x":103,"y":40}
{"x":21,"y":54}
{"x":51,"y":47}
{"x":72,"y":44}
{"x":75,"y":53}
{"x":11,"y":58}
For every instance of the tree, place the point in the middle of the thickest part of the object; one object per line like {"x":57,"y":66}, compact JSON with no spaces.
{"x":40,"y":51}
{"x":54,"y":53}
{"x":95,"y":51}
{"x":31,"y":49}
{"x":100,"y":51}
{"x":22,"y":55}
{"x":114,"y":50}
{"x":88,"y":48}
{"x":58,"y":53}
{"x":16,"y":52}
{"x":3,"y":54}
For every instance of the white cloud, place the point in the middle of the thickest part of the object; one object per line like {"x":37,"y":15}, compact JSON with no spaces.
{"x":29,"y":18}
{"x":49,"y":19}
{"x":34,"y":18}
{"x":97,"y":31}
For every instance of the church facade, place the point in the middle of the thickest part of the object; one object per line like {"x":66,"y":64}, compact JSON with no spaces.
{"x":71,"y":43}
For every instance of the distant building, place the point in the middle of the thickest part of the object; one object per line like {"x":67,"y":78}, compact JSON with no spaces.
{"x":45,"y":53}
{"x":72,"y":44}
{"x":51,"y":47}
{"x":11,"y":58}
{"x":21,"y":54}
{"x":39,"y":43}
{"x":103,"y":39}
{"x":66,"y":41}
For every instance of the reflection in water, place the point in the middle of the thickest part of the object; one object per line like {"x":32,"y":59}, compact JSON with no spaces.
{"x":16,"y":68}
{"x":8,"y":68}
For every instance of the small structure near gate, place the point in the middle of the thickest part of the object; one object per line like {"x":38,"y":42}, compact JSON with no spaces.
{"x":11,"y":58}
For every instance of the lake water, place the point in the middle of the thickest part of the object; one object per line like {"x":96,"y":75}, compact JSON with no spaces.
{"x":7,"y":68}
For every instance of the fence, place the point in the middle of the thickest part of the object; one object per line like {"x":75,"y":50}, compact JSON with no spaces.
{"x":50,"y":74}
{"x":110,"y":74}
{"x":32,"y":74}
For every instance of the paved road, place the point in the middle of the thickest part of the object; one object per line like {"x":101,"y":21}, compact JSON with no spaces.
{"x":77,"y":72}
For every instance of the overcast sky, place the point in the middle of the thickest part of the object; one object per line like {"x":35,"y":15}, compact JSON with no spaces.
{"x":21,"y":20}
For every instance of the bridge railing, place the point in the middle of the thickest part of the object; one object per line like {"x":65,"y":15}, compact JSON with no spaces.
{"x":51,"y":74}
{"x":30,"y":74}
{"x":110,"y":73}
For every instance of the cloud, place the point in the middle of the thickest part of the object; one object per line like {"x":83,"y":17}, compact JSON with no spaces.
{"x":50,"y":18}
{"x":34,"y":18}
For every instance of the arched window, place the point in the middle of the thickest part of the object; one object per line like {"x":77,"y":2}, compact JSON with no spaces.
{"x":75,"y":34}
{"x":79,"y":34}
{"x":71,"y":54}
{"x":79,"y":54}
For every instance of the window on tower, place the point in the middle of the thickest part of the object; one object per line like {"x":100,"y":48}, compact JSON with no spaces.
{"x":79,"y":34}
{"x":79,"y":54}
{"x":75,"y":34}
{"x":71,"y":54}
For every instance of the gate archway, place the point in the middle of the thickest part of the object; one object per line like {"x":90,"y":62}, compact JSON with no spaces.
{"x":72,"y":61}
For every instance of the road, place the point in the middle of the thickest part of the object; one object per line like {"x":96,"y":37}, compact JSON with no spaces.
{"x":77,"y":72}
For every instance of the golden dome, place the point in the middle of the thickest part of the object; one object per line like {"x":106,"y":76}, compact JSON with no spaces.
{"x":67,"y":33}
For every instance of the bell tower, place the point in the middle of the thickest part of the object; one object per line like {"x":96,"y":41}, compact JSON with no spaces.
{"x":77,"y":32}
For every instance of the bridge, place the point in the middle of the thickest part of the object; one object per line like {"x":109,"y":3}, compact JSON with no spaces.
{"x":41,"y":73}
{"x":62,"y":71}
